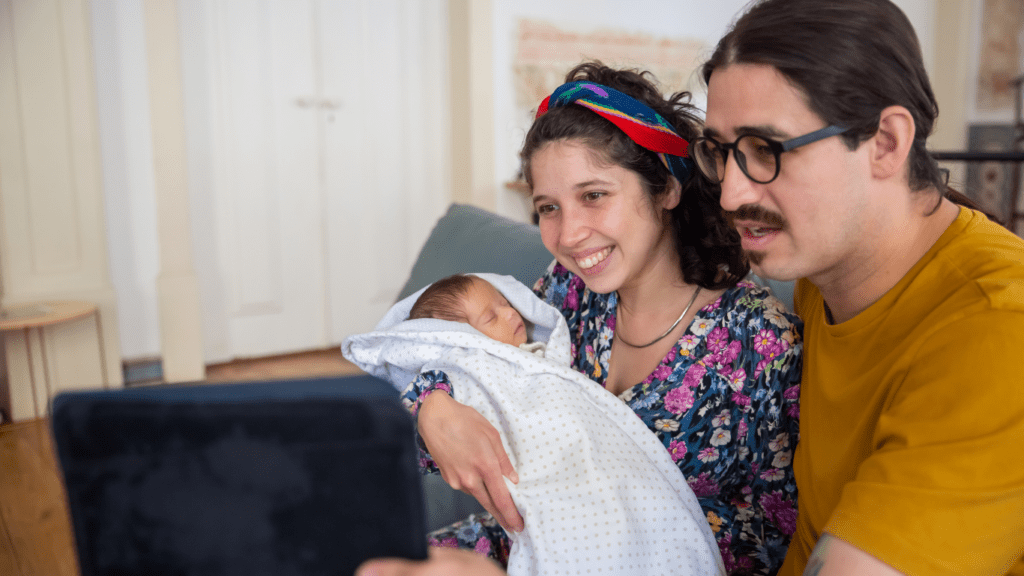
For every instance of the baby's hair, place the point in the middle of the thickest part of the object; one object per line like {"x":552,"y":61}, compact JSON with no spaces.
{"x":443,"y":299}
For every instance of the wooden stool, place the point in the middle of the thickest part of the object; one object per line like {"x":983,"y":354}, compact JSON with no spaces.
{"x":36,"y":316}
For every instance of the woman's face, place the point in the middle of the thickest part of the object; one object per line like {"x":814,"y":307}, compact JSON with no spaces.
{"x":598,"y":220}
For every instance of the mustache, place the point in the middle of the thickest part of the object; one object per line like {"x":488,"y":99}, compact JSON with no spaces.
{"x":756,"y":213}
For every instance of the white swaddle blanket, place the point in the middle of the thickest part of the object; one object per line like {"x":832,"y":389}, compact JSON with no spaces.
{"x":597,"y":492}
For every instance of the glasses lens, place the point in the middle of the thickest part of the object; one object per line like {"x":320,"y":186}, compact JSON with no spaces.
{"x":709,"y":159}
{"x":758,"y":158}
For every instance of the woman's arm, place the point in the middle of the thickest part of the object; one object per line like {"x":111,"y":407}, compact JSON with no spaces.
{"x":462,"y":446}
{"x":754,"y":360}
{"x":468,"y":451}
{"x":773,"y":366}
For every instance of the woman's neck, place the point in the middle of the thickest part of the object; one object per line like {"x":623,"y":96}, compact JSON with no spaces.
{"x":657,"y":286}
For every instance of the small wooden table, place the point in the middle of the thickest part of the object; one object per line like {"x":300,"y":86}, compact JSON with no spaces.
{"x":36,"y":316}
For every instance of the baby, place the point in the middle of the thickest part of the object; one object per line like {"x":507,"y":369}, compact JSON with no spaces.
{"x":474,"y":301}
{"x":590,"y":472}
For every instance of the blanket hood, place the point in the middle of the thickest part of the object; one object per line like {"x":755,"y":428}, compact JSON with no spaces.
{"x":376,"y":352}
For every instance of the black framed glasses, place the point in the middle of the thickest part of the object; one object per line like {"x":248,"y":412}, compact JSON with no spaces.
{"x":758,"y":157}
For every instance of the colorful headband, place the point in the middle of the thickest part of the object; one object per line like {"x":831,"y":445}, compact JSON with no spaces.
{"x":641,"y":123}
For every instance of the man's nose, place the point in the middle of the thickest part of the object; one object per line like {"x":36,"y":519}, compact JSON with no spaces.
{"x":737,"y":188}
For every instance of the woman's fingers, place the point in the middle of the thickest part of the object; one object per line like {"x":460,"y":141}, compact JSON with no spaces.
{"x":442,"y":562}
{"x":504,"y":509}
{"x":470,"y":455}
{"x":500,"y":505}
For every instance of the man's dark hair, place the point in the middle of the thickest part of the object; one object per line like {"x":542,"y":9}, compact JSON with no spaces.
{"x":851,"y":59}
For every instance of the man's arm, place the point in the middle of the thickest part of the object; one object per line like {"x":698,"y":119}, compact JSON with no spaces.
{"x":442,"y":562}
{"x":834,"y":557}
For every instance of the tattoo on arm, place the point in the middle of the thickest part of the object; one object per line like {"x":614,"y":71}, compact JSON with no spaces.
{"x":817,"y":560}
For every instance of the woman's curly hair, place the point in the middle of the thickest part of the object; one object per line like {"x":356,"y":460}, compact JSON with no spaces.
{"x":709,"y":248}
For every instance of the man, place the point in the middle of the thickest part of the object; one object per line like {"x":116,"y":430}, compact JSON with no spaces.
{"x":912,"y":402}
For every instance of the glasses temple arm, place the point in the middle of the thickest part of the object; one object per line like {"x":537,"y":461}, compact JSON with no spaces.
{"x":813,"y":137}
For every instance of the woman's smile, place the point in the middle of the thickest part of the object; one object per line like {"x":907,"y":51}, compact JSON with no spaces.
{"x":588,"y":262}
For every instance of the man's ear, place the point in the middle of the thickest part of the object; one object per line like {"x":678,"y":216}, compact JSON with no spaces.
{"x":891,"y":144}
{"x":672,"y":195}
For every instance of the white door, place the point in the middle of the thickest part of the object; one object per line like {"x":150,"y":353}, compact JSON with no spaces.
{"x":326,"y":122}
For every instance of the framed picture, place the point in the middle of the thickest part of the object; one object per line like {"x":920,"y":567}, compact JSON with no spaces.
{"x":989,"y":183}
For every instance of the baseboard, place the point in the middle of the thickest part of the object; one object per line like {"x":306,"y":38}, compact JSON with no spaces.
{"x":143,"y":371}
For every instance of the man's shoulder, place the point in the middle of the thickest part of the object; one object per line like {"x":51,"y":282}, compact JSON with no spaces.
{"x":985,"y":261}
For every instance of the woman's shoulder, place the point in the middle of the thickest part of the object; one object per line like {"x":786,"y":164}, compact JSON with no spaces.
{"x":569,"y":294}
{"x":751,"y":304}
{"x":766,"y":336}
{"x":557,"y":284}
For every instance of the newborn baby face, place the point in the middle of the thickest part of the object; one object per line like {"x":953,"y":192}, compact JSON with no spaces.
{"x":489,"y":312}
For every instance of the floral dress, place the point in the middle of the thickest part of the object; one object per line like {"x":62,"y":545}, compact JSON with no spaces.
{"x":723,"y":401}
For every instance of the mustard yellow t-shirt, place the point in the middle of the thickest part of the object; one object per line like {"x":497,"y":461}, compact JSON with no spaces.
{"x":912,"y":413}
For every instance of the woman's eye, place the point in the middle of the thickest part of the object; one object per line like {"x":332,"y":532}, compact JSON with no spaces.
{"x":592,"y":196}
{"x":545,"y":209}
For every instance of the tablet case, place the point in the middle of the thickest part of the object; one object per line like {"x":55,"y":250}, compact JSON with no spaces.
{"x":297,"y":477}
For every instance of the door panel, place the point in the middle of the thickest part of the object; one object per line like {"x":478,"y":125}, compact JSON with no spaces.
{"x":268,"y":193}
{"x":328,"y":135}
{"x":389,"y":185}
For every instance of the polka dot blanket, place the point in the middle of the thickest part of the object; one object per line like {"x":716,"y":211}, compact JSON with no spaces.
{"x":597,"y":492}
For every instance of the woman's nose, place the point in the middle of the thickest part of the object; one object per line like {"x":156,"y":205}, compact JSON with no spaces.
{"x":573,"y":229}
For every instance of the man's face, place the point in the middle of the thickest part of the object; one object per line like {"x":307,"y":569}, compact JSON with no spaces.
{"x":812,"y":219}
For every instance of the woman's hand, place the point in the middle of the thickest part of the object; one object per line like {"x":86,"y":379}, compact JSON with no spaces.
{"x":442,"y":562}
{"x":468,"y":451}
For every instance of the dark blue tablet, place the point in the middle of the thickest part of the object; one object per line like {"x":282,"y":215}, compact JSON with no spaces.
{"x":286,"y":478}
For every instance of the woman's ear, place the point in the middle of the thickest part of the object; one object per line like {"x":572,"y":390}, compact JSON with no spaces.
{"x":892,"y":142}
{"x":673,"y":193}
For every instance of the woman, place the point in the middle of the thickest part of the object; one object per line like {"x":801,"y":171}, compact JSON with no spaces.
{"x":647,"y":275}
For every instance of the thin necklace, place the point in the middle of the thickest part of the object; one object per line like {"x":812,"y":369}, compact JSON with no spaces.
{"x":671,"y":328}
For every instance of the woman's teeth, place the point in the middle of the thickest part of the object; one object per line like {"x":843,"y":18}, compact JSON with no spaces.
{"x":593,"y":259}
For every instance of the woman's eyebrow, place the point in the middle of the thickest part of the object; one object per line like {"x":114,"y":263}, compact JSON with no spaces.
{"x":592,"y":182}
{"x":538,"y":198}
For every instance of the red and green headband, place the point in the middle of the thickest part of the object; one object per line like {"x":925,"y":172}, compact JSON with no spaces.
{"x":640,"y":122}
